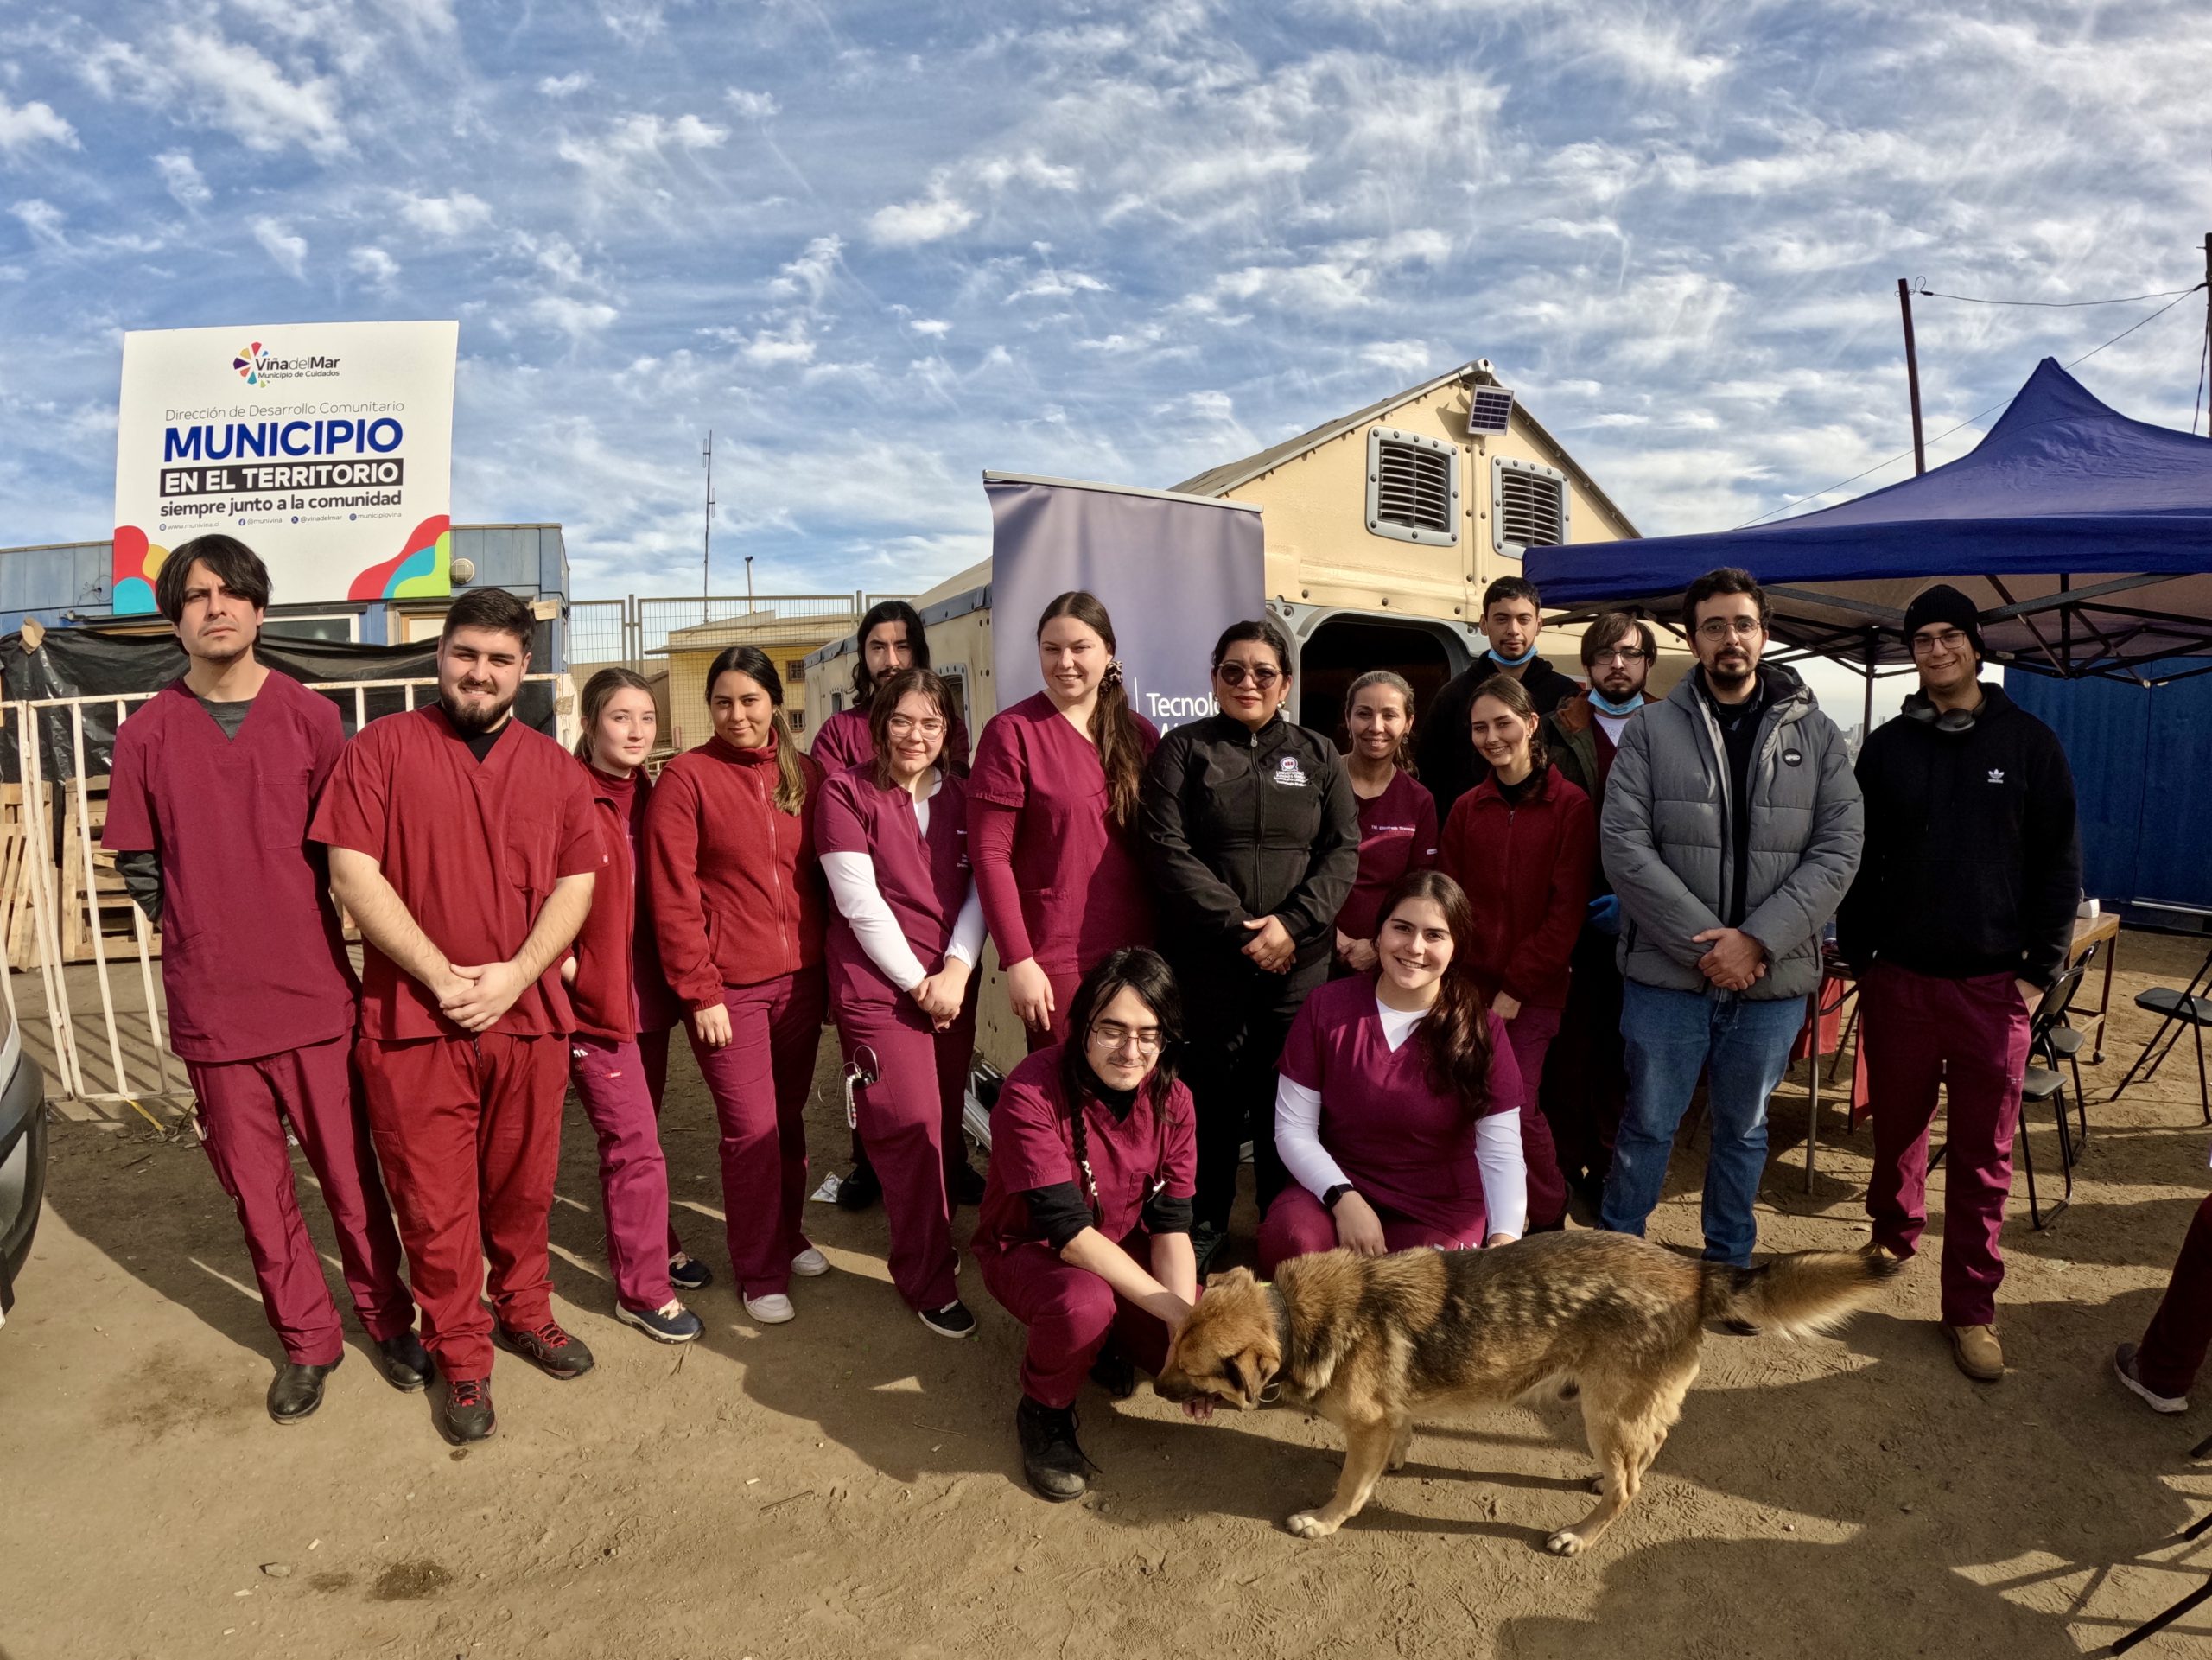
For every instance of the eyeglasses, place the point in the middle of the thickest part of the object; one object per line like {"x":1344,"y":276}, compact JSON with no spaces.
{"x":1950,"y":640}
{"x":1235,"y":674}
{"x":1718,"y":628}
{"x":1114,"y":1038}
{"x":900,"y":725}
{"x":1620,"y":654}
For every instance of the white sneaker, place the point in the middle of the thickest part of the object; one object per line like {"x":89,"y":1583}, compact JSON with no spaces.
{"x":810,"y":1264}
{"x":2123,"y":1364}
{"x":772,"y":1310}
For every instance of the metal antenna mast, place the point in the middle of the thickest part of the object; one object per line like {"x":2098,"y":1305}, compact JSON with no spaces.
{"x":707,"y":532}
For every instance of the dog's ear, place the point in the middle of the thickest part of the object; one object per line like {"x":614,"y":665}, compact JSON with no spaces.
{"x":1235,"y":1277}
{"x":1255,"y":1369}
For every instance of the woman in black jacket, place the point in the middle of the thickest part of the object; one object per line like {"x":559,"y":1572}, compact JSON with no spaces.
{"x":1252,"y":843}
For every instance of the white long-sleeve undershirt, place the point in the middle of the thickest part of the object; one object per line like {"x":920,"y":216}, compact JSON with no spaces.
{"x":1498,"y":1156}
{"x":859,"y":899}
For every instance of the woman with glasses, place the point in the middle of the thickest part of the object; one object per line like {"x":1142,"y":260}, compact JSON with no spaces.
{"x":1397,"y":815}
{"x":1252,"y":838}
{"x":904,"y":937}
{"x":1524,"y":842}
{"x":1398,"y":1109}
{"x":1085,"y":1231}
{"x":739,"y":913}
{"x":1052,"y":807}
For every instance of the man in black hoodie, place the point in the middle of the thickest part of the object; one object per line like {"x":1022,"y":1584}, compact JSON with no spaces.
{"x":1512,"y":614}
{"x":1961,"y":916}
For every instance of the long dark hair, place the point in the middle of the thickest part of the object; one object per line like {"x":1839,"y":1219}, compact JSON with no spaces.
{"x":1515,"y":696}
{"x":597,"y":691}
{"x":886,"y":704}
{"x":754,"y":665}
{"x":1113,"y":727}
{"x":1454,"y":1038}
{"x":1133,"y":968}
{"x":881,"y":612}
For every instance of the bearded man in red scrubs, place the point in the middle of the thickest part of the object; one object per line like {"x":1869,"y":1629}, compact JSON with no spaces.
{"x":214,"y":777}
{"x":463,"y":844}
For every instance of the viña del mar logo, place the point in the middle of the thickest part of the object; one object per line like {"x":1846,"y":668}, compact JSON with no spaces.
{"x":257,"y":365}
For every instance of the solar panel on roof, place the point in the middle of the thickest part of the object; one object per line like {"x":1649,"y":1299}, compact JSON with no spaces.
{"x":1488,"y":409}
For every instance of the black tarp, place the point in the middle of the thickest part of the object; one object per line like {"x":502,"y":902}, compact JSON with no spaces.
{"x":103,"y":663}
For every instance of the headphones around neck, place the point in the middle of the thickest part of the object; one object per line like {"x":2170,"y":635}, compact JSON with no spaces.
{"x":1917,"y":707}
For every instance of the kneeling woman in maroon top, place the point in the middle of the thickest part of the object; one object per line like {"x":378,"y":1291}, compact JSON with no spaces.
{"x":1397,"y":1112}
{"x":738,"y":911}
{"x":907,"y":929}
{"x":617,"y":1054}
{"x":1085,"y":1233}
{"x":1524,"y":843}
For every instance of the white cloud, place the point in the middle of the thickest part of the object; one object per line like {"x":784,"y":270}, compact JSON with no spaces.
{"x":927,"y":219}
{"x":379,"y":267}
{"x":202,"y":78}
{"x":790,"y":344}
{"x":181,"y":178}
{"x":627,"y":161}
{"x":753,"y":106}
{"x":445,"y":217}
{"x":577,"y":319}
{"x":288,"y":250}
{"x":44,"y":221}
{"x":934,"y":328}
{"x":563,"y":86}
{"x":812,"y":272}
{"x":24,"y":127}
{"x":1400,"y":357}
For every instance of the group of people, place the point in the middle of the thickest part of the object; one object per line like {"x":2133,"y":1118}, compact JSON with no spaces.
{"x":1447,"y":980}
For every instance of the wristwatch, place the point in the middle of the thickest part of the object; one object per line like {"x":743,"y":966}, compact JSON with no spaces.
{"x":1329,"y":1199}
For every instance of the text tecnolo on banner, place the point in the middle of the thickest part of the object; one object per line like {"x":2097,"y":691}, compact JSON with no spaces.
{"x":1172,"y":571}
{"x":326,"y":447}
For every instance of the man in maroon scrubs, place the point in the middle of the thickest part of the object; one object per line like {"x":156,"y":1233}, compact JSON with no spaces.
{"x":214,"y":780}
{"x":463,"y":844}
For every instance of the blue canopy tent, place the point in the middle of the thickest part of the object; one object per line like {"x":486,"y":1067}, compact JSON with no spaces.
{"x":2085,"y":538}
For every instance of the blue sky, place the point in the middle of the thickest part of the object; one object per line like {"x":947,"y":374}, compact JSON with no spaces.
{"x":879,"y":248}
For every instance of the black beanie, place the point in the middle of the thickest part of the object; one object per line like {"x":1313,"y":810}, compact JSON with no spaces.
{"x":1944,"y":604}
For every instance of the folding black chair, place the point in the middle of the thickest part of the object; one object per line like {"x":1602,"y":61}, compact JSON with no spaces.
{"x":2191,"y":1008}
{"x":2058,"y":1041}
{"x":2048,"y":1084}
{"x":2202,"y":1595}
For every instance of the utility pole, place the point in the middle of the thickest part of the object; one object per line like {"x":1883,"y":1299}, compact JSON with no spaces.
{"x":1912,"y":372}
{"x":2208,"y":333}
{"x":706,"y":534}
{"x":748,"y":581}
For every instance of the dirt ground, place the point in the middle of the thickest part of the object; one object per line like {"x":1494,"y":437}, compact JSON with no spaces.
{"x":848,"y":1484}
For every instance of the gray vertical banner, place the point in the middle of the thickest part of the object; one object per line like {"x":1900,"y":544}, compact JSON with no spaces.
{"x":1172,"y":572}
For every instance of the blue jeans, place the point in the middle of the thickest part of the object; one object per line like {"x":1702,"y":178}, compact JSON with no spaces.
{"x":1744,"y":1049}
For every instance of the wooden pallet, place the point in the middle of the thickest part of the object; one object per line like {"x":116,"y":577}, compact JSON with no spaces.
{"x":110,"y":909}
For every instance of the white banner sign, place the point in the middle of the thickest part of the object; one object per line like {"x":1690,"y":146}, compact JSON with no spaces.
{"x":326,"y":447}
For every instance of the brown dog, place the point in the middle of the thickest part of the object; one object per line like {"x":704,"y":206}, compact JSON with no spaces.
{"x":1364,"y":1341}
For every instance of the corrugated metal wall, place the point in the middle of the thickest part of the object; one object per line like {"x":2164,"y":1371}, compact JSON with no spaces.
{"x":2141,"y":777}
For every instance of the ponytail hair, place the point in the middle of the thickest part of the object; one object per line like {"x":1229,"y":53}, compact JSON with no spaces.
{"x":1515,"y":696}
{"x":598,"y":691}
{"x":888,"y":695}
{"x":1133,"y":968}
{"x":1404,"y":759}
{"x":754,"y":665}
{"x":881,"y":612}
{"x":1455,"y":1037}
{"x":1113,"y":727}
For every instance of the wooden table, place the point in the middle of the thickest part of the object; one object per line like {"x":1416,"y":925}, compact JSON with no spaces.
{"x":2089,"y":932}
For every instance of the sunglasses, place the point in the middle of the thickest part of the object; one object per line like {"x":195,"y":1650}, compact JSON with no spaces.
{"x":1235,"y":674}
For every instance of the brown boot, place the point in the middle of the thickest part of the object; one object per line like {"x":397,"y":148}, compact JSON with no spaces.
{"x":1975,"y":1349}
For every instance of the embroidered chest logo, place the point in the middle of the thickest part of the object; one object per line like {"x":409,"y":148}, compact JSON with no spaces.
{"x":1996,"y":775}
{"x":1289,"y":773}
{"x":1792,"y":757}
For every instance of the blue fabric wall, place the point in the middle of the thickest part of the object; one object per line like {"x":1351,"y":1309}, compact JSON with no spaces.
{"x":2141,"y":774}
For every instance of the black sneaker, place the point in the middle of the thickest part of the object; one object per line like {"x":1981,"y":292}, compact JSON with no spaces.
{"x":966,"y":1186}
{"x":552,"y":1350}
{"x":1051,"y":1459}
{"x":1206,"y":1241}
{"x":858,"y":1189}
{"x":296,"y":1390}
{"x":687,"y":1273}
{"x":464,"y":1413}
{"x":951,"y":1320}
{"x":1115,"y":1373}
{"x":404,"y":1362}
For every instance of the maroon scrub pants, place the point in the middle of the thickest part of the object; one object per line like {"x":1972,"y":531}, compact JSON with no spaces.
{"x":468,"y":1130}
{"x":910,"y":1124}
{"x":1070,"y":1312}
{"x":620,"y":1088}
{"x":2174,"y":1344}
{"x":1970,"y":1038}
{"x":1065,"y":983}
{"x":759,"y":1081}
{"x":243,"y":1107}
{"x":1530,"y":1033}
{"x":1298,"y":1224}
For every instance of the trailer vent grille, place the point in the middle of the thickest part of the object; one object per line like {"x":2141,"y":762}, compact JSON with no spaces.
{"x":1412,"y":487}
{"x":1529,"y":507}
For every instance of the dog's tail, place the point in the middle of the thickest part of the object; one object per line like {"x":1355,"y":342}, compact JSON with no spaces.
{"x":1806,"y":1291}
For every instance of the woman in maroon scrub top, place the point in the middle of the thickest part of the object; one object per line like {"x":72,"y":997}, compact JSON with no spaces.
{"x":907,"y":928}
{"x":1085,"y":1229}
{"x":1052,"y":810}
{"x":1523,"y":843}
{"x":1397,"y":815}
{"x":617,"y":1054}
{"x":738,"y":911}
{"x":1397,"y":1111}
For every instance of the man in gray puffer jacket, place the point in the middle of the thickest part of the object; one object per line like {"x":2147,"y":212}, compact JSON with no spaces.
{"x":1731,"y":831}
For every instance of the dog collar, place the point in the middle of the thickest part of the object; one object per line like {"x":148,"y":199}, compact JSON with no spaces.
{"x":1273,"y":1390}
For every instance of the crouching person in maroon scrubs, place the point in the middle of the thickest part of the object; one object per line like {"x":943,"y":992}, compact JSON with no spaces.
{"x":464,"y":845}
{"x":214,"y":780}
{"x":1085,"y":1230}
